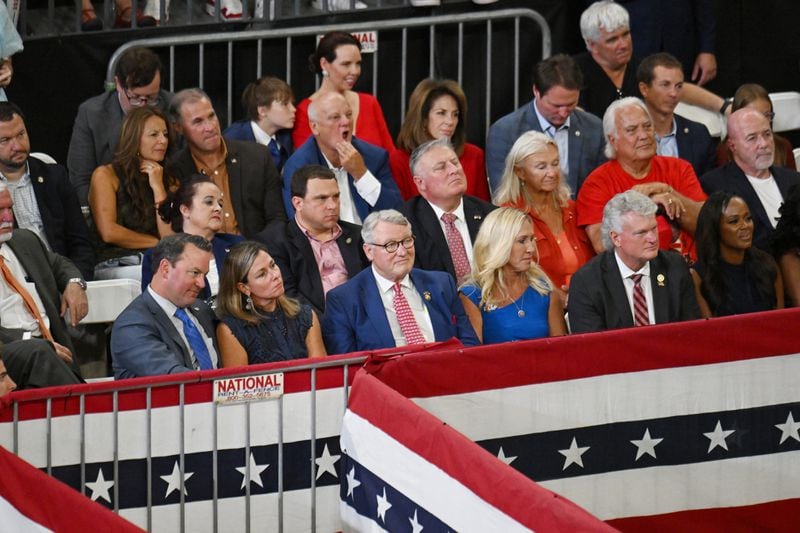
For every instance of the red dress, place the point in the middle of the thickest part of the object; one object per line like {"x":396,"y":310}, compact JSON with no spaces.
{"x":471,"y":159}
{"x":370,"y":124}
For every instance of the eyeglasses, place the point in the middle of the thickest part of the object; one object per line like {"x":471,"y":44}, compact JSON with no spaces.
{"x":140,"y":101}
{"x":392,"y":246}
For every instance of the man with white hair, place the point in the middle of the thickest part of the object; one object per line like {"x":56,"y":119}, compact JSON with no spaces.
{"x":633,"y":164}
{"x":631,"y":283}
{"x":609,"y":65}
{"x":391,"y":303}
{"x":751,"y":174}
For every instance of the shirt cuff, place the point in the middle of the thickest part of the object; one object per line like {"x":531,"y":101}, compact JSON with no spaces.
{"x":368,"y":188}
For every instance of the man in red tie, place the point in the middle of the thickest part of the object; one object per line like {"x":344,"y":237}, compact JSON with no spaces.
{"x":37,"y":287}
{"x":391,"y":303}
{"x":632,"y":283}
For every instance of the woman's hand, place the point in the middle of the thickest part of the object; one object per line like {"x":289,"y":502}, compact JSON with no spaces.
{"x":155,"y":175}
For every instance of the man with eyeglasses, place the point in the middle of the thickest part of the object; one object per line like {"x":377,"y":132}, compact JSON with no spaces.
{"x":752,"y":174}
{"x":168,"y":328}
{"x":391,"y":303}
{"x":97,"y":126}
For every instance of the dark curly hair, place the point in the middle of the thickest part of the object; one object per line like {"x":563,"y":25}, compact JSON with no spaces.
{"x":758,"y":263}
{"x":786,"y":237}
{"x":170,"y":209}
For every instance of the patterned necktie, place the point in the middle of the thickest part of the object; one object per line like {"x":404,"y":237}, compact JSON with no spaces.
{"x":27,"y":299}
{"x":456,"y":244}
{"x":640,"y":313}
{"x":196,"y":342}
{"x":408,"y":325}
{"x":277,"y":155}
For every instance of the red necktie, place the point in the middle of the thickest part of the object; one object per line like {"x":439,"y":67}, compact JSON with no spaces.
{"x":456,"y":244}
{"x":27,"y":299}
{"x":640,"y":314}
{"x":408,"y":325}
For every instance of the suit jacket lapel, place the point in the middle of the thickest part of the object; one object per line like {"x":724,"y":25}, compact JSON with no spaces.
{"x":615,"y":289}
{"x":373,"y":305}
{"x":474,"y":218}
{"x":311,"y":270}
{"x":433,"y":303}
{"x":348,"y":246}
{"x":659,"y":285}
{"x":431,"y":232}
{"x":235,"y":184}
{"x":166,"y":323}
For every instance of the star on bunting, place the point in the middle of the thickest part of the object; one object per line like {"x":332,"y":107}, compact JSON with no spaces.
{"x":100,"y":487}
{"x":173,"y":480}
{"x":718,"y":436}
{"x":502,"y":456}
{"x":647,"y":445}
{"x":383,"y":505}
{"x":255,"y":472}
{"x":416,"y":527}
{"x":788,"y":429}
{"x":326,"y":463}
{"x":352,"y":482}
{"x":573,"y":454}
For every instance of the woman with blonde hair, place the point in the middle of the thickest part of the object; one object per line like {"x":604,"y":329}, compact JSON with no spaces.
{"x":260,"y":324}
{"x":507,"y":296}
{"x":438,"y":109}
{"x":532,"y":182}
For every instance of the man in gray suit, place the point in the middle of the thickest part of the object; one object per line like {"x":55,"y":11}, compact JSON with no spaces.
{"x":557,"y":83}
{"x":96,"y":131}
{"x":168,"y":329}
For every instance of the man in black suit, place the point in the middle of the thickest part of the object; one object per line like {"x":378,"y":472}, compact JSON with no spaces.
{"x":44,"y":200}
{"x":660,"y":79}
{"x":441,"y":183}
{"x":167,"y":328}
{"x":37,"y":287}
{"x":316,"y":251}
{"x":751,"y":174}
{"x":243,"y":171}
{"x":632,"y":282}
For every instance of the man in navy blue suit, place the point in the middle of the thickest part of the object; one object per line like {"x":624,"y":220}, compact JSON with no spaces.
{"x":661,"y":84}
{"x":362,"y":170}
{"x":391,"y":303}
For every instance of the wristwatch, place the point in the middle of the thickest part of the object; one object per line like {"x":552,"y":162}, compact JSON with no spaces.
{"x":79,"y":281}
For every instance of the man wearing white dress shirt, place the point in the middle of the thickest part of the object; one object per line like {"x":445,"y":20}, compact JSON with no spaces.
{"x":362,"y":169}
{"x":441,"y":183}
{"x":391,"y":303}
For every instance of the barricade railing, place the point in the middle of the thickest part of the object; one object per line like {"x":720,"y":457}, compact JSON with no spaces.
{"x":295,"y":44}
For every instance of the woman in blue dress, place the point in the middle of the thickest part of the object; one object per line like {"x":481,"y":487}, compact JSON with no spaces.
{"x":507,"y":296}
{"x":259,"y":323}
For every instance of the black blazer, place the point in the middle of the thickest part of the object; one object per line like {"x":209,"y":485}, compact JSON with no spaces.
{"x":432,"y":252}
{"x":64,"y":225}
{"x":292,"y":252}
{"x":731,"y":178}
{"x":695,"y":145}
{"x":597,"y":298}
{"x":254,"y":182}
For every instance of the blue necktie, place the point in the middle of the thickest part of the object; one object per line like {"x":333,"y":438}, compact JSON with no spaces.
{"x":275,"y":150}
{"x":196,"y":342}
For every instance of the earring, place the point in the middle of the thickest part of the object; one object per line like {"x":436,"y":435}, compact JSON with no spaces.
{"x":248,"y":304}
{"x":324,"y":73}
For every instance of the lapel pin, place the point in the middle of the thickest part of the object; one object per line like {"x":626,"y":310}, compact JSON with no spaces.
{"x":685,"y":130}
{"x":41,"y":179}
{"x":233,"y":160}
{"x":427,"y":296}
{"x":477,"y":217}
{"x":660,"y":279}
{"x":348,"y":240}
{"x":577,"y":133}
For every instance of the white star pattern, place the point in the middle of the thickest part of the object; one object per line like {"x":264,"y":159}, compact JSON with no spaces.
{"x":255,"y":472}
{"x":717,"y":437}
{"x":415,"y":525}
{"x":352,"y":482}
{"x":174,"y":480}
{"x":100,"y":487}
{"x":326,"y":463}
{"x":789,"y":429}
{"x":383,"y":505}
{"x":502,"y":456}
{"x":573,"y":454}
{"x":647,"y":445}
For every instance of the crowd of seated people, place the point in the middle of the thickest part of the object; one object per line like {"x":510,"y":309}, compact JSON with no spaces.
{"x":306,"y":232}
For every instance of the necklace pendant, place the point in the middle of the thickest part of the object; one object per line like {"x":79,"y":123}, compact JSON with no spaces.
{"x":521,"y":313}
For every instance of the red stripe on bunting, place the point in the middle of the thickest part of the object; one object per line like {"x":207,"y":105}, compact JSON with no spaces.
{"x":496,"y":483}
{"x":578,"y":356}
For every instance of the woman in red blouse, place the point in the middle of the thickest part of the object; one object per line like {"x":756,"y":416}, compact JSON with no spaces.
{"x":532,"y":182}
{"x":438,"y":108}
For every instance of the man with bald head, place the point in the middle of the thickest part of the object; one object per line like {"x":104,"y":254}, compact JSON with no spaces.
{"x":362,"y":169}
{"x":751,"y":174}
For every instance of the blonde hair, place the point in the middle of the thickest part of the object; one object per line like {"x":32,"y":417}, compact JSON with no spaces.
{"x":511,"y":189}
{"x":492,"y":251}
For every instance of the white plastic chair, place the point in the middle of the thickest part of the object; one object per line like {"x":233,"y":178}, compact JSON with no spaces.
{"x":44,"y":158}
{"x":787,"y":111}
{"x":713,"y":121}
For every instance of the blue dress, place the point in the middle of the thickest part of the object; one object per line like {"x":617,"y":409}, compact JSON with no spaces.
{"x":504,"y":324}
{"x":275,"y":337}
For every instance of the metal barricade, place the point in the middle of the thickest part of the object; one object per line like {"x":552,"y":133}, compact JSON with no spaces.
{"x":163,"y":454}
{"x":468,"y":28}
